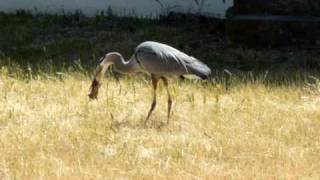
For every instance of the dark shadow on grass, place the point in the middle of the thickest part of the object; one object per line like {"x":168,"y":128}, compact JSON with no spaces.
{"x":43,"y":44}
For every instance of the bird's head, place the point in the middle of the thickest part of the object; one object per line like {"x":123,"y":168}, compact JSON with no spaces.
{"x":105,"y":62}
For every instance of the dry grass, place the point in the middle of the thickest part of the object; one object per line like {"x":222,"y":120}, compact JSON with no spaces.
{"x":49,"y":130}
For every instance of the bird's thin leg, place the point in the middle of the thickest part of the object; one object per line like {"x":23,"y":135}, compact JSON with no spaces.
{"x":166,"y":83}
{"x":154,"y":102}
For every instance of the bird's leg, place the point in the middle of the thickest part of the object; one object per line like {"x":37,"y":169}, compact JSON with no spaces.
{"x":165,"y":81}
{"x":154,"y":102}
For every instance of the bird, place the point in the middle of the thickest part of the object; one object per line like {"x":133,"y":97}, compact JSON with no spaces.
{"x":156,"y":59}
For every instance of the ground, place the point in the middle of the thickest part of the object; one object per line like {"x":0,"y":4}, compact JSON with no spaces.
{"x":50,"y":130}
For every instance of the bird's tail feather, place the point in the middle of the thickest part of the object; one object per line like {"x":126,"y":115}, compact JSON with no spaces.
{"x":199,"y":69}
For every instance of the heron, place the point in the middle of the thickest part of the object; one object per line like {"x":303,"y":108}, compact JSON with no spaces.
{"x":158,"y":60}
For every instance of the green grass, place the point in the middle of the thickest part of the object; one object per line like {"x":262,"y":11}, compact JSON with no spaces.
{"x":63,"y":39}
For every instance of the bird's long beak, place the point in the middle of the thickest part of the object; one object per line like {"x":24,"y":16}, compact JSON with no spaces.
{"x":94,"y":89}
{"x":95,"y":85}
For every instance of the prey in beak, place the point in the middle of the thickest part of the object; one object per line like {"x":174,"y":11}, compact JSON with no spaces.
{"x":98,"y":74}
{"x":94,"y":89}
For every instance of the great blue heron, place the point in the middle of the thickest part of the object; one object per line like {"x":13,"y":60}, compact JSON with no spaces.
{"x":159,"y":60}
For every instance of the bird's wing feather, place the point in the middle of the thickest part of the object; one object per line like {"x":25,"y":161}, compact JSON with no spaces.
{"x":160,"y":59}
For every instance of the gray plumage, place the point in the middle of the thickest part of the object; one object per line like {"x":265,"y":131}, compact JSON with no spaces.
{"x":163,"y":60}
{"x":159,"y":60}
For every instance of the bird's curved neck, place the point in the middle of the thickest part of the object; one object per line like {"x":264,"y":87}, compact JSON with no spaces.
{"x":124,"y":66}
{"x":120,"y":65}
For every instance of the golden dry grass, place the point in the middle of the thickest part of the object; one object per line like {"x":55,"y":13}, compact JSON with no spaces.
{"x":50,"y":130}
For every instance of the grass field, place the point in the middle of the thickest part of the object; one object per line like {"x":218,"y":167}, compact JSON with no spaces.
{"x":50,"y":130}
{"x":258,"y":120}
